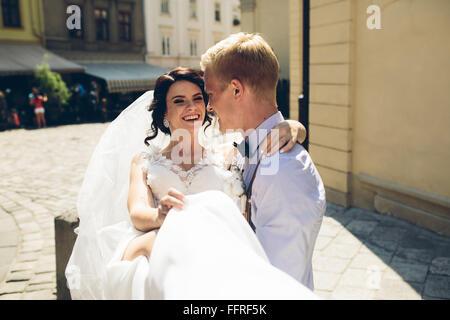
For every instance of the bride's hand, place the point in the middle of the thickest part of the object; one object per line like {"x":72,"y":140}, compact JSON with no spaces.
{"x":174,"y":198}
{"x":283,"y":137}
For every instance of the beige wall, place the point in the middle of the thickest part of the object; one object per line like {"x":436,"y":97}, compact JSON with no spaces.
{"x":295,"y":55}
{"x":402,"y":94}
{"x":401,"y":140}
{"x":330,"y":110}
{"x":380,"y":107}
{"x":270,"y":19}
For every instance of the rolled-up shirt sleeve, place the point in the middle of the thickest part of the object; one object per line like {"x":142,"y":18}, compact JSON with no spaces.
{"x":287,"y":211}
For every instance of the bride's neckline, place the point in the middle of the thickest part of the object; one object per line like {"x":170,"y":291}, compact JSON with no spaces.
{"x":179,"y":168}
{"x":187,"y":175}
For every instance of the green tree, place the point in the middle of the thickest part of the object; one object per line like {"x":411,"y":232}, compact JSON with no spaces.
{"x":53,"y":86}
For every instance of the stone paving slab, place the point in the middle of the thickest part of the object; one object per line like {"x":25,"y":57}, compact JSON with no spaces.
{"x":395,"y":261}
{"x":440,"y":266}
{"x":359,"y":254}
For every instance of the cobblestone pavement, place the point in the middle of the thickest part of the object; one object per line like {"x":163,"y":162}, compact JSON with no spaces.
{"x":41,"y":172}
{"x":358,"y":254}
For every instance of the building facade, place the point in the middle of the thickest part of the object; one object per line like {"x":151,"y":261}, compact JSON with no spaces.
{"x":178,"y":32}
{"x":21,"y":21}
{"x":379,"y":104}
{"x":23,"y":38}
{"x":109,"y":42}
{"x":269,"y":18}
{"x":22,"y":49}
{"x":111,"y":30}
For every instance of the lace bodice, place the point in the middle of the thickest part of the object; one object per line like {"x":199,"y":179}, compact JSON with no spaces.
{"x":208,"y":174}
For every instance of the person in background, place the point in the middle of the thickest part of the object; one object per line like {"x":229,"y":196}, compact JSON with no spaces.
{"x":37,"y":100}
{"x":13,"y":114}
{"x":79,"y":93}
{"x":3,"y":111}
{"x":96,"y":91}
{"x":105,"y":109}
{"x":93,"y":102}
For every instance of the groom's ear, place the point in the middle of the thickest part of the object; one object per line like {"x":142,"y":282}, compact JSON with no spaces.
{"x":238,"y":88}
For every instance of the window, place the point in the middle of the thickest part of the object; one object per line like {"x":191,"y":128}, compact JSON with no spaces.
{"x":193,"y":9}
{"x":11,"y":13}
{"x":193,"y":47}
{"x":217,"y":12}
{"x":124,"y":26}
{"x":165,"y":6}
{"x":166,"y":46}
{"x":101,"y":24}
{"x":77,"y":33}
{"x":236,"y":19}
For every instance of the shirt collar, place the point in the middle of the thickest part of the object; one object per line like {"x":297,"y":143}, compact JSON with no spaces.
{"x":260,"y":133}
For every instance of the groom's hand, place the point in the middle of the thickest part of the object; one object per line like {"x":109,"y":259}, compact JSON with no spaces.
{"x":174,"y":198}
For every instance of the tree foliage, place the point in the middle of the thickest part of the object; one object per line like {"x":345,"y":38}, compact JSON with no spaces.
{"x":51,"y":84}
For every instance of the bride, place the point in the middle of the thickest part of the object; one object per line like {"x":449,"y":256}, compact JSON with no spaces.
{"x":171,"y":225}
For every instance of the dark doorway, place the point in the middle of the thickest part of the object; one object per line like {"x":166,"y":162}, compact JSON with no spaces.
{"x":303,"y":99}
{"x":283,"y":97}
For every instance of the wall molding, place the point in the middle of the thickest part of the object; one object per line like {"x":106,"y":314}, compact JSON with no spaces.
{"x":415,"y":193}
{"x":425,"y":209}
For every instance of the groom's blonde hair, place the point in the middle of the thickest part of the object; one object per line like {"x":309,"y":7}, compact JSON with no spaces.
{"x":247,"y":57}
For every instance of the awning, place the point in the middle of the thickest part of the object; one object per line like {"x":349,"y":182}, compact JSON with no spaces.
{"x":22,"y":59}
{"x":126,"y":77}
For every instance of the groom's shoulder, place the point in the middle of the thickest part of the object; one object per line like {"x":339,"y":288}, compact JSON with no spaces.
{"x":297,"y":157}
{"x":282,"y":166}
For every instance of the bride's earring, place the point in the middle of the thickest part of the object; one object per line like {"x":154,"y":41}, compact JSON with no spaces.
{"x":166,"y":123}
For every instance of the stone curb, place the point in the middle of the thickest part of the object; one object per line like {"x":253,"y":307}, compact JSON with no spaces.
{"x":65,"y":237}
{"x":9,"y":242}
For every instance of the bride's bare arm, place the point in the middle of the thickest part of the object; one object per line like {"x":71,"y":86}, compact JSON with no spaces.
{"x":140,"y":246}
{"x":284,"y":136}
{"x":143,"y":213}
{"x":144,"y":216}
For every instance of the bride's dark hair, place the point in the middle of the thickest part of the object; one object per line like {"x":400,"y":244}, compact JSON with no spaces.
{"x":158,"y":105}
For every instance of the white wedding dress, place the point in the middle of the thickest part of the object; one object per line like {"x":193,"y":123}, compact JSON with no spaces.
{"x":205,"y":251}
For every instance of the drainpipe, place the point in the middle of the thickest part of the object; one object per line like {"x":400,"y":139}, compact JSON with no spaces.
{"x":39,"y":33}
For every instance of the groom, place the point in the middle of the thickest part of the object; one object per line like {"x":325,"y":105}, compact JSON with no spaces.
{"x":287,"y":193}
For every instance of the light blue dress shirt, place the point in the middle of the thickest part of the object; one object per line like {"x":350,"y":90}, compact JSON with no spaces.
{"x":288,"y":204}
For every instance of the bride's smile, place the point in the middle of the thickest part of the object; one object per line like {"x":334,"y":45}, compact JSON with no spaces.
{"x":185,"y":106}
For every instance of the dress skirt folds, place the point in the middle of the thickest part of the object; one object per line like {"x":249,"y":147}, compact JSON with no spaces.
{"x":205,"y":251}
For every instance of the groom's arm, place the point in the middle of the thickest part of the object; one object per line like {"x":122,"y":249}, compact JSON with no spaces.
{"x":289,"y":211}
